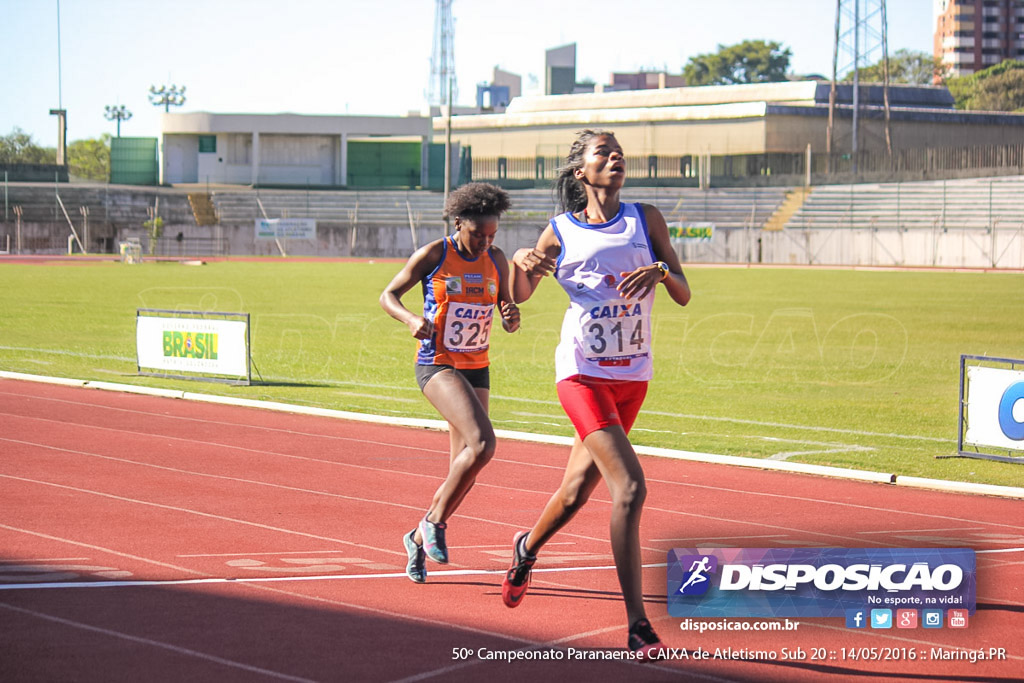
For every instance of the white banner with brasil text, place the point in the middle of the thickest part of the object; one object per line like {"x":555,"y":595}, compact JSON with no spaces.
{"x":200,"y":345}
{"x":286,"y":228}
{"x":680,"y":232}
{"x":995,"y":408}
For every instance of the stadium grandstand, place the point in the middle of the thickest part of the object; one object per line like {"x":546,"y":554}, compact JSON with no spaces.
{"x":975,"y":223}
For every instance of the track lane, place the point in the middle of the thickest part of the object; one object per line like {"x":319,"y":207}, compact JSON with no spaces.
{"x":254,"y":493}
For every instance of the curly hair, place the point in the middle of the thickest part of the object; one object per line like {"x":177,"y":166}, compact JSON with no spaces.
{"x":473,"y":200}
{"x":569,"y":192}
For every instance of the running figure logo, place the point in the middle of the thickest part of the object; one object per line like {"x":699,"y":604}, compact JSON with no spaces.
{"x":695,"y":576}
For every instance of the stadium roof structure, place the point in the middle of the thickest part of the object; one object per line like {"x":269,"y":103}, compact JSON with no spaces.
{"x":732,"y":119}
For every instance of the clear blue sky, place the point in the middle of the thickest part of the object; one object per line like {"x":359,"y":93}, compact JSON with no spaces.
{"x":363,"y":56}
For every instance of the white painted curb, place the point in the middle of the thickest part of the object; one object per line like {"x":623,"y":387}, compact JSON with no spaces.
{"x":441,"y":425}
{"x":960,"y":487}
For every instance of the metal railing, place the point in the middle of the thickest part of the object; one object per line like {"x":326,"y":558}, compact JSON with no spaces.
{"x":780,"y":169}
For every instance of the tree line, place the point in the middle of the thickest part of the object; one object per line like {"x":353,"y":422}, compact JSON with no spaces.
{"x":88,"y":159}
{"x":997,"y":88}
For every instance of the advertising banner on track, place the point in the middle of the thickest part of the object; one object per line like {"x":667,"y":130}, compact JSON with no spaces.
{"x":171,"y":343}
{"x":286,"y":228}
{"x":994,"y":408}
{"x":683,"y":233}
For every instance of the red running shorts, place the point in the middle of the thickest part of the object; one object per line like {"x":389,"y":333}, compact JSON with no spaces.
{"x":594,"y":403}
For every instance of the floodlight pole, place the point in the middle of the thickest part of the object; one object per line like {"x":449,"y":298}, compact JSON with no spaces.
{"x":167,"y":96}
{"x":856,"y":80}
{"x":118,"y":113}
{"x":448,"y":154}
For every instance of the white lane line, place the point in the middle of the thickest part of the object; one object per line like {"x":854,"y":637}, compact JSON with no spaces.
{"x":257,"y":554}
{"x":100,"y":549}
{"x":193,"y":473}
{"x":786,"y":455}
{"x":72,"y":354}
{"x":840,"y":504}
{"x":208,"y":515}
{"x":603,"y":501}
{"x":291,"y":432}
{"x":784,"y":425}
{"x":374,"y":501}
{"x":791,"y":530}
{"x":920,"y":531}
{"x":997,"y":551}
{"x":704,"y":539}
{"x":775,"y":527}
{"x":686,"y":416}
{"x":277,"y":579}
{"x":505,"y":460}
{"x":156,"y":643}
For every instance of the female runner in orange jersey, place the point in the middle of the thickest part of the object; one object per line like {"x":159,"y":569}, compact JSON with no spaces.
{"x":464,"y":277}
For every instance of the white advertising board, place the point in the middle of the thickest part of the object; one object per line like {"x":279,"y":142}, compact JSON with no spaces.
{"x":995,"y":408}
{"x":679,"y":232}
{"x":175,"y":344}
{"x":286,"y":228}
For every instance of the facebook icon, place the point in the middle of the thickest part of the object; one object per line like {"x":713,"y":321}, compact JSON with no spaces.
{"x":856,"y":618}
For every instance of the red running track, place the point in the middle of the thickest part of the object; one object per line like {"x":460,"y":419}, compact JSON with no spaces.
{"x":156,"y":539}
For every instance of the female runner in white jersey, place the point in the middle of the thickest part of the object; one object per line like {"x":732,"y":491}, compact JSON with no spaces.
{"x":609,"y":257}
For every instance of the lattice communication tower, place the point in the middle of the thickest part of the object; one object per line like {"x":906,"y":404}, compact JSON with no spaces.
{"x":442,"y":59}
{"x":861,"y":39}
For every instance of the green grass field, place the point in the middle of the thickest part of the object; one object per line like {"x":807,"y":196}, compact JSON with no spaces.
{"x":847,"y":368}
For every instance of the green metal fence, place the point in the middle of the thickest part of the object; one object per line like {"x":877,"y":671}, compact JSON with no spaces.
{"x":134,"y":161}
{"x":384,"y":164}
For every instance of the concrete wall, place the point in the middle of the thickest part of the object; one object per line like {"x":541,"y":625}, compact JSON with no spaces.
{"x":1000,"y":249}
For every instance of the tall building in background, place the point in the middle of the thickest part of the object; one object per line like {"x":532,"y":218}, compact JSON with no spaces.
{"x":971,"y":35}
{"x":514,"y":82}
{"x":494,"y":96}
{"x":560,"y":70}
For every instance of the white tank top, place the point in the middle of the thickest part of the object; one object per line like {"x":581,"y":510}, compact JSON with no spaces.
{"x":604,"y":335}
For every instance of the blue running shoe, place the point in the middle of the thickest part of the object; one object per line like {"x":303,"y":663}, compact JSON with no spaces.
{"x":416,"y":569}
{"x":433,"y":540}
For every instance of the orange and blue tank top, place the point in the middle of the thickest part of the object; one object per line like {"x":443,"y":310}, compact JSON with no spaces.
{"x":459,"y":298}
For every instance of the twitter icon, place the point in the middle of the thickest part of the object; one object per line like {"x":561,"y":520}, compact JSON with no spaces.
{"x":881,"y":618}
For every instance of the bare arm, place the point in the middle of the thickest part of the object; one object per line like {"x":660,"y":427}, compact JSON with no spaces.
{"x":506,"y":306}
{"x":530,"y":265}
{"x":641,"y":281}
{"x":419,"y":265}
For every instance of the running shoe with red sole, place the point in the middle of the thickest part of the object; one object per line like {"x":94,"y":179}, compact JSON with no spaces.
{"x":517,"y":578}
{"x":644,"y":641}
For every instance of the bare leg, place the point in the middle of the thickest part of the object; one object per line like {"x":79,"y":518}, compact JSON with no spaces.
{"x":617,"y":461}
{"x":581,"y":476}
{"x":460,"y":405}
{"x":457,"y":444}
{"x":604,"y":453}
